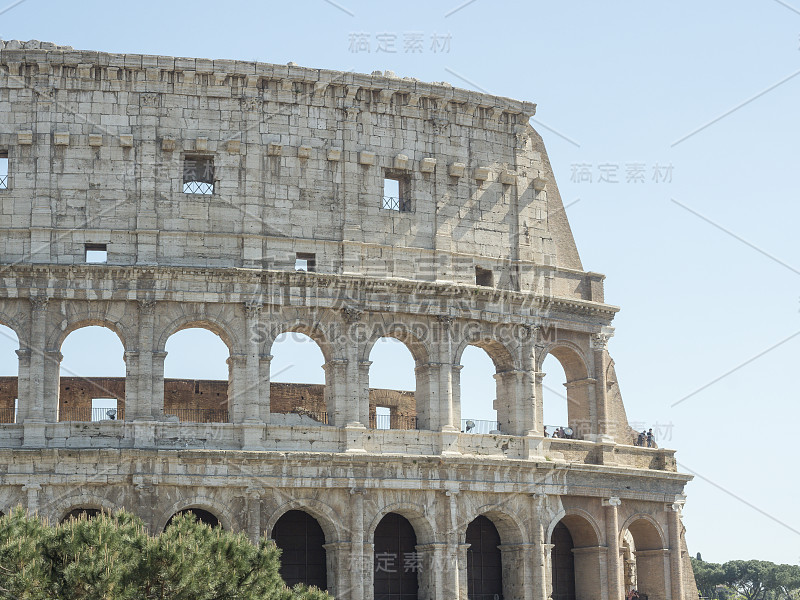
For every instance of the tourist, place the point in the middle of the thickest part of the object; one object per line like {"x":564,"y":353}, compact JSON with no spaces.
{"x":640,"y":440}
{"x":651,"y":443}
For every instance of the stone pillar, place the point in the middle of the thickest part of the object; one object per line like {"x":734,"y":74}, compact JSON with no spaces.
{"x":264,"y":403}
{"x":463,"y":574}
{"x":149,"y":399}
{"x":251,"y":390}
{"x":426,"y":397}
{"x":336,"y":555}
{"x":363,"y":391}
{"x":23,"y":384}
{"x":157,"y":383}
{"x":592,"y":583}
{"x":32,"y":490}
{"x":455,"y":377}
{"x":253,"y":503}
{"x":538,"y":377}
{"x":675,"y":550}
{"x":431,"y":570}
{"x":451,"y":577}
{"x":446,"y":416}
{"x":530,"y":422}
{"x":599,"y":343}
{"x":360,"y":577}
{"x":509,"y":385}
{"x":336,"y":391}
{"x":540,"y":551}
{"x":516,"y":571}
{"x":35,"y":411}
{"x":237,"y":387}
{"x":52,"y":380}
{"x":131,"y":399}
{"x":615,"y":587}
{"x":581,"y":408}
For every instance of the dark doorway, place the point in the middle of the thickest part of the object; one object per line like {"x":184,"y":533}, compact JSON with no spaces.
{"x":563,"y":564}
{"x":484,"y":563}
{"x":203,"y":516}
{"x":300,"y":538}
{"x":397,"y":562}
{"x":81,"y":513}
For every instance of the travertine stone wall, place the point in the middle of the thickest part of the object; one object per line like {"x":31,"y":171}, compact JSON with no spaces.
{"x":98,"y":146}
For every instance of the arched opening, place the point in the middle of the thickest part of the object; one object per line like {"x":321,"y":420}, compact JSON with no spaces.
{"x":92,"y":376}
{"x":397,"y":563}
{"x":81,"y":513}
{"x":554,"y":398}
{"x":9,"y":375}
{"x":197,"y":376}
{"x":570,"y":409}
{"x":477,"y":391}
{"x":200,"y":515}
{"x":303,"y":556}
{"x":395,"y":379}
{"x":298,"y":394}
{"x":484,"y":561}
{"x":648,"y":552}
{"x":575,"y":563}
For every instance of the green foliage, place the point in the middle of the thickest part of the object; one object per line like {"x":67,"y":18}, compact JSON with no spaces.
{"x":747,"y":580}
{"x":113,"y":557}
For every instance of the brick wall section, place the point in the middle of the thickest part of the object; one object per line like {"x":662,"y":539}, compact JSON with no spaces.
{"x":77,"y":393}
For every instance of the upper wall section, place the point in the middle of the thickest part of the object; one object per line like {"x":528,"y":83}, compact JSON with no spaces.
{"x":101,"y":145}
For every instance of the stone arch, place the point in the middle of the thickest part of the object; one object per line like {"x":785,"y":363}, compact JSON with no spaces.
{"x":218,"y":509}
{"x":9,"y":410}
{"x":78,"y":501}
{"x":418,"y":347}
{"x":509,"y":526}
{"x":16,"y":326}
{"x":312,"y":330}
{"x":67,"y":326}
{"x":211,"y":323}
{"x":422,"y":357}
{"x":513,"y":416}
{"x":580,"y":396}
{"x":651,"y":554}
{"x":576,"y":556}
{"x":416,"y":515}
{"x":326,"y":516}
{"x":587,"y":532}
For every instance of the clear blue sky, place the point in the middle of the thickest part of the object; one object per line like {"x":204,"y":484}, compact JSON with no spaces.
{"x":705,"y":299}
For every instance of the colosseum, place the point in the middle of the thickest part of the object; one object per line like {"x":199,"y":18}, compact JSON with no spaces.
{"x":150,"y":194}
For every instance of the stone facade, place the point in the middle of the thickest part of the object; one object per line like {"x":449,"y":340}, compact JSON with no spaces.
{"x":477,"y":250}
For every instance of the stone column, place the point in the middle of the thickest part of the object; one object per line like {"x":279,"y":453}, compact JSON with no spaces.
{"x":147,"y":405}
{"x":253,"y":503}
{"x":516,"y":571}
{"x":131,"y":399}
{"x":264,"y":403}
{"x":52,"y":379}
{"x":237,"y":387}
{"x":508,"y":403}
{"x":456,"y":379}
{"x":336,"y":554}
{"x":615,"y":587}
{"x":431,"y":572}
{"x":463,"y":575}
{"x":354,"y":173}
{"x":675,"y":550}
{"x":450,"y":567}
{"x":582,"y":408}
{"x":426,"y":397}
{"x":336,"y":391}
{"x":360,"y":579}
{"x":32,"y":490}
{"x":251,"y":391}
{"x":530,"y":423}
{"x":540,"y":552}
{"x":32,"y":406}
{"x":599,"y":343}
{"x":157,"y":384}
{"x":446,"y":420}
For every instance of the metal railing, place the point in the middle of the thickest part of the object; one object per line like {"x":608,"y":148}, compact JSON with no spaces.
{"x":198,"y":415}
{"x":479,"y":426}
{"x":3,"y":182}
{"x":198,"y":187}
{"x":392,"y":422}
{"x":398,"y":204}
{"x":90,"y":414}
{"x":8,"y":415}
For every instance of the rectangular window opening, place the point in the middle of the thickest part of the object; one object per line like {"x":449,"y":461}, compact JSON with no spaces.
{"x":104,"y":409}
{"x":305,"y":261}
{"x":96,"y":253}
{"x":383,"y":417}
{"x":483,"y":277}
{"x":3,"y":170}
{"x":396,"y":193}
{"x":198,"y":175}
